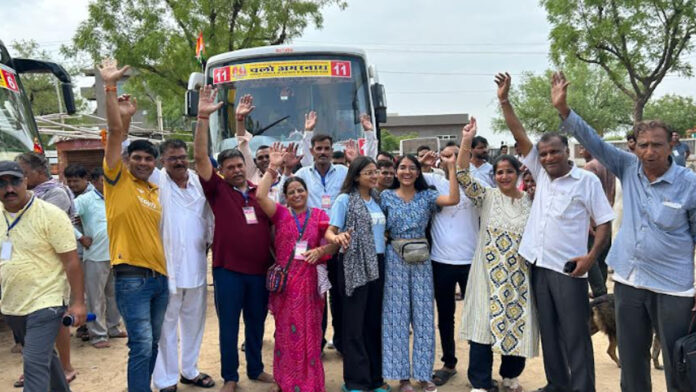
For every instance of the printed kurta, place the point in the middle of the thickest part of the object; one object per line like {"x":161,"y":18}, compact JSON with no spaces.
{"x":498,"y":305}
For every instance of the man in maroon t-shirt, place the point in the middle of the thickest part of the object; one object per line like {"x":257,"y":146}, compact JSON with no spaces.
{"x":241,"y":249}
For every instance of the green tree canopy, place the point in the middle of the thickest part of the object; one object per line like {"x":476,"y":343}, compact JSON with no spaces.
{"x":636,"y":42}
{"x":158,"y":38}
{"x":391,"y":142}
{"x":678,"y":112}
{"x":591,"y":94}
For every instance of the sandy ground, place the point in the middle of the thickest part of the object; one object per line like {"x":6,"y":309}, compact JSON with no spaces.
{"x":105,"y":369}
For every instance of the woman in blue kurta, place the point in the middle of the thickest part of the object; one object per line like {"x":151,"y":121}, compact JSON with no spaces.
{"x":408,"y":287}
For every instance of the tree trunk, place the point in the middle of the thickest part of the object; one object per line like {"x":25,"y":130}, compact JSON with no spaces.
{"x":638,"y":107}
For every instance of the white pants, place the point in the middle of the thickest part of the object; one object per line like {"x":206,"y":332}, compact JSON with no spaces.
{"x":186,"y":310}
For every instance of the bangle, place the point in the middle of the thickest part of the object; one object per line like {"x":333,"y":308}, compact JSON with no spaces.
{"x":241,"y":117}
{"x":503,"y":101}
{"x":203,"y":117}
{"x":110,"y":88}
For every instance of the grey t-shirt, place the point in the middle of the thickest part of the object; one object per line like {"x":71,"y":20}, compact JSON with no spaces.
{"x":679,"y":153}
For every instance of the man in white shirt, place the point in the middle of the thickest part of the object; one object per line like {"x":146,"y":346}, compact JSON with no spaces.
{"x":454,"y":232}
{"x":261,"y":157}
{"x":480,"y":167}
{"x":186,"y":233}
{"x":556,"y":234}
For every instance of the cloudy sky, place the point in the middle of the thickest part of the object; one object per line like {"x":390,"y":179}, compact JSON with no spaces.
{"x":432,"y":56}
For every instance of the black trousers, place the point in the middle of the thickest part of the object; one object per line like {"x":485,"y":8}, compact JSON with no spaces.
{"x":362,"y":332}
{"x":638,"y":312}
{"x":481,"y":365}
{"x":445,"y":280}
{"x":563,"y":310}
{"x":597,"y":275}
{"x":335,"y":305}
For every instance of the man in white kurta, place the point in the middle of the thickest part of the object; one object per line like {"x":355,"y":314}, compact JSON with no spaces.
{"x":186,"y":232}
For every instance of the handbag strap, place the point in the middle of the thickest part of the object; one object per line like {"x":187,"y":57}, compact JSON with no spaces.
{"x":692,"y":323}
{"x":304,"y":226}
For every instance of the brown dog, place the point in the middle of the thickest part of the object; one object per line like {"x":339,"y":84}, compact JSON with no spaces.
{"x":604,"y":319}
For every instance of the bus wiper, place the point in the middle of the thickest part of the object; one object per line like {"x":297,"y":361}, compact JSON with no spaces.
{"x":262,"y":130}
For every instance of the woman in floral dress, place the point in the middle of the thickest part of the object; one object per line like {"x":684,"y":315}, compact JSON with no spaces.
{"x":498,"y":311}
{"x":299,"y":308}
{"x":408,"y":288}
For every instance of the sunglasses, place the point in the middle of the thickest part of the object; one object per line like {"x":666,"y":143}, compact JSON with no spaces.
{"x":15,"y":181}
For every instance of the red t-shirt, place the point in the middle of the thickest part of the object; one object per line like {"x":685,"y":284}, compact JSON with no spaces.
{"x":237,"y":245}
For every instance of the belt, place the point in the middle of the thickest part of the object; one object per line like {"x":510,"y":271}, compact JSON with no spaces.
{"x":131,"y":270}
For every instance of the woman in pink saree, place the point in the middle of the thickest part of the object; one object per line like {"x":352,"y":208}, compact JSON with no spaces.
{"x":299,"y":308}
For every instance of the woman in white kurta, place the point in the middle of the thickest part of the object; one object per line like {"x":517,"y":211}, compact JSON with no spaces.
{"x":498,"y":311}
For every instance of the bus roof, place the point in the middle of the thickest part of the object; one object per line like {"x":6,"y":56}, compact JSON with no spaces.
{"x":285,"y":50}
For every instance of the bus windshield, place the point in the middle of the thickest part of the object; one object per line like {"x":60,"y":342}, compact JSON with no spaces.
{"x":284,"y":90}
{"x":17,"y":127}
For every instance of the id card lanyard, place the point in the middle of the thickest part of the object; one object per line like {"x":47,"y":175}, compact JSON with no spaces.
{"x":6,"y":250}
{"x":301,"y":245}
{"x":325,"y":197}
{"x":249,"y":213}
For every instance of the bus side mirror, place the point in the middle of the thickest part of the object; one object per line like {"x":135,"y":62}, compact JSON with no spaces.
{"x":191,"y":103}
{"x":68,"y":97}
{"x":195,"y":83}
{"x":379,"y":99}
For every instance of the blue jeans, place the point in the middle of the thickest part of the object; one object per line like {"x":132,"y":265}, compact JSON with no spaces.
{"x":235,"y":292}
{"x":142,"y":303}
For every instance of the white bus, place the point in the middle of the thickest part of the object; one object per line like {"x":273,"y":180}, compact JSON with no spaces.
{"x":286,"y":82}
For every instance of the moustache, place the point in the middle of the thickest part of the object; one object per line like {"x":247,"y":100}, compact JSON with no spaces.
{"x":8,"y":194}
{"x":179,"y":167}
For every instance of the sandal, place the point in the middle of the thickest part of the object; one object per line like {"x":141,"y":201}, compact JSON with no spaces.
{"x":405,"y":386}
{"x":70,"y":377}
{"x":169,"y":389}
{"x":428,"y":386}
{"x":19,"y":383}
{"x":203,"y":380}
{"x":384,"y":388}
{"x":442,"y":376}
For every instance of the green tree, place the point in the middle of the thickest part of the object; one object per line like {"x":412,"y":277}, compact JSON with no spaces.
{"x":158,"y":38}
{"x":591,"y":94}
{"x":391,"y":142}
{"x":636,"y":42}
{"x":677,"y":111}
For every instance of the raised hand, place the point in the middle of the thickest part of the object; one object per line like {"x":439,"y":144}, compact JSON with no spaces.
{"x":351,"y":150}
{"x":245,"y":106}
{"x":503,"y":80}
{"x":469,"y":130}
{"x":206,"y":101}
{"x":110,"y":74}
{"x":366,"y":122}
{"x":127,"y":106}
{"x":276,"y":156}
{"x":290,"y":158}
{"x":559,"y":93}
{"x":428,"y":159}
{"x":310,"y":120}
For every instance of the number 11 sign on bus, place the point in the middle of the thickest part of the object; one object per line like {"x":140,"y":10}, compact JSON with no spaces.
{"x":340,"y":69}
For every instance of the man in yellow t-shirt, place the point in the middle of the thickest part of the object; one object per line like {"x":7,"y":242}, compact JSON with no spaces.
{"x":38,"y":250}
{"x":133,"y":215}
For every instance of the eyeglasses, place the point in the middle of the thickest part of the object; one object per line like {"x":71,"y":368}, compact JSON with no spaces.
{"x":175,"y":159}
{"x":368,"y":173}
{"x":15,"y":181}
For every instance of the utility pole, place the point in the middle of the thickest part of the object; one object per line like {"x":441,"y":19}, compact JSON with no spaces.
{"x":160,"y":122}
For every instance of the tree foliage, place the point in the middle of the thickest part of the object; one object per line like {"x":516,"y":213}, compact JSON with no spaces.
{"x":158,"y":38}
{"x":636,"y":42}
{"x":678,"y":112}
{"x":41,"y":88}
{"x":390,"y":142}
{"x":591,"y":94}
